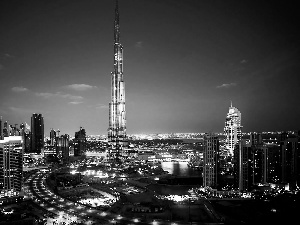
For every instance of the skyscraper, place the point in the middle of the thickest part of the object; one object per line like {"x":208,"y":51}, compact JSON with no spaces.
{"x":62,"y":148}
{"x":27,"y":138}
{"x":211,"y":161}
{"x":117,"y":138}
{"x":290,"y":159}
{"x":37,"y":133}
{"x":5,"y":129}
{"x":1,"y":129}
{"x":52,"y":137}
{"x":232,"y":129}
{"x":80,"y":142}
{"x":11,"y":166}
{"x":250,"y":163}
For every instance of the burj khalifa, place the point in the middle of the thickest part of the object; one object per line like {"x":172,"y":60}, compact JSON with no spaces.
{"x":117,"y":138}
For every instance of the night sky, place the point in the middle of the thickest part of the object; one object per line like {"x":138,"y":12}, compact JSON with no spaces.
{"x":184,"y":61}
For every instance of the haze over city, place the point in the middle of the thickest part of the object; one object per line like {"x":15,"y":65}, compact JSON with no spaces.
{"x":184,"y":61}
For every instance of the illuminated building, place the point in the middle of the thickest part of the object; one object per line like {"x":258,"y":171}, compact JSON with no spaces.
{"x":62,"y":148}
{"x":80,"y":142}
{"x":290,"y":161}
{"x":50,"y":147}
{"x":274,"y":164}
{"x":250,"y":163}
{"x":117,"y":138}
{"x":27,"y":138}
{"x":243,"y":166}
{"x":211,"y":160}
{"x":37,"y":133}
{"x":11,"y":166}
{"x":232,"y":129}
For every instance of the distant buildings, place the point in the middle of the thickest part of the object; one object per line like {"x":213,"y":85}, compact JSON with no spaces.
{"x":50,"y":147}
{"x":52,"y":137}
{"x":232,"y":129}
{"x":37,"y":133}
{"x":211,"y":161}
{"x":11,"y":167}
{"x":5,"y":129}
{"x":256,"y":162}
{"x":80,"y":142}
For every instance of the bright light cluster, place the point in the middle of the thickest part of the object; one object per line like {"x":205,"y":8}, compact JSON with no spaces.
{"x":94,"y":202}
{"x":175,"y":198}
{"x":62,"y":219}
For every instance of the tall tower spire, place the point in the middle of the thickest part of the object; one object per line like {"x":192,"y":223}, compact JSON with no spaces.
{"x":117,"y":26}
{"x":117,"y":138}
{"x":1,"y":130}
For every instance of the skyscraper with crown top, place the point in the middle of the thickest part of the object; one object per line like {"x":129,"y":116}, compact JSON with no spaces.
{"x":117,"y":138}
{"x":232,"y":129}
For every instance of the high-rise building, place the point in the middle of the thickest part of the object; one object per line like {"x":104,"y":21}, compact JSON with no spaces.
{"x":243,"y":166}
{"x":117,"y":138}
{"x":50,"y":147}
{"x":62,"y":148}
{"x":52,"y":137}
{"x":37,"y":133}
{"x":274,"y":164}
{"x":5,"y":129}
{"x":211,"y":161}
{"x":11,"y":167}
{"x":80,"y":142}
{"x":250,"y":163}
{"x":260,"y":158}
{"x":1,"y":129}
{"x":27,"y":138}
{"x":290,"y":161}
{"x":232,"y":129}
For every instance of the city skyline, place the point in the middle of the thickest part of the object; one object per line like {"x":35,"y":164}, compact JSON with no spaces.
{"x":185,"y":62}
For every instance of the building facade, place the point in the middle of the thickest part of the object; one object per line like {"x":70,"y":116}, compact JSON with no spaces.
{"x":232,"y":129}
{"x":52,"y":137}
{"x":290,"y":162}
{"x":80,"y":142}
{"x":211,"y":160}
{"x":5,"y":129}
{"x":243,"y":166}
{"x":117,"y":137}
{"x":11,"y":166}
{"x":37,"y":133}
{"x":250,"y":163}
{"x":1,"y":129}
{"x":62,"y":148}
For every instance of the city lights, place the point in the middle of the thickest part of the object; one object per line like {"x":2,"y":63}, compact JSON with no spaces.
{"x":178,"y":153}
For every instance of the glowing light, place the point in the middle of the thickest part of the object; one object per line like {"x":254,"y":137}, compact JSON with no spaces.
{"x":103,"y":214}
{"x":155,"y":222}
{"x":119,"y":217}
{"x":136,"y":220}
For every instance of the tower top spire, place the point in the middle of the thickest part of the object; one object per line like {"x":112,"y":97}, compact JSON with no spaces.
{"x":117,"y":25}
{"x":230,"y":103}
{"x":117,"y":4}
